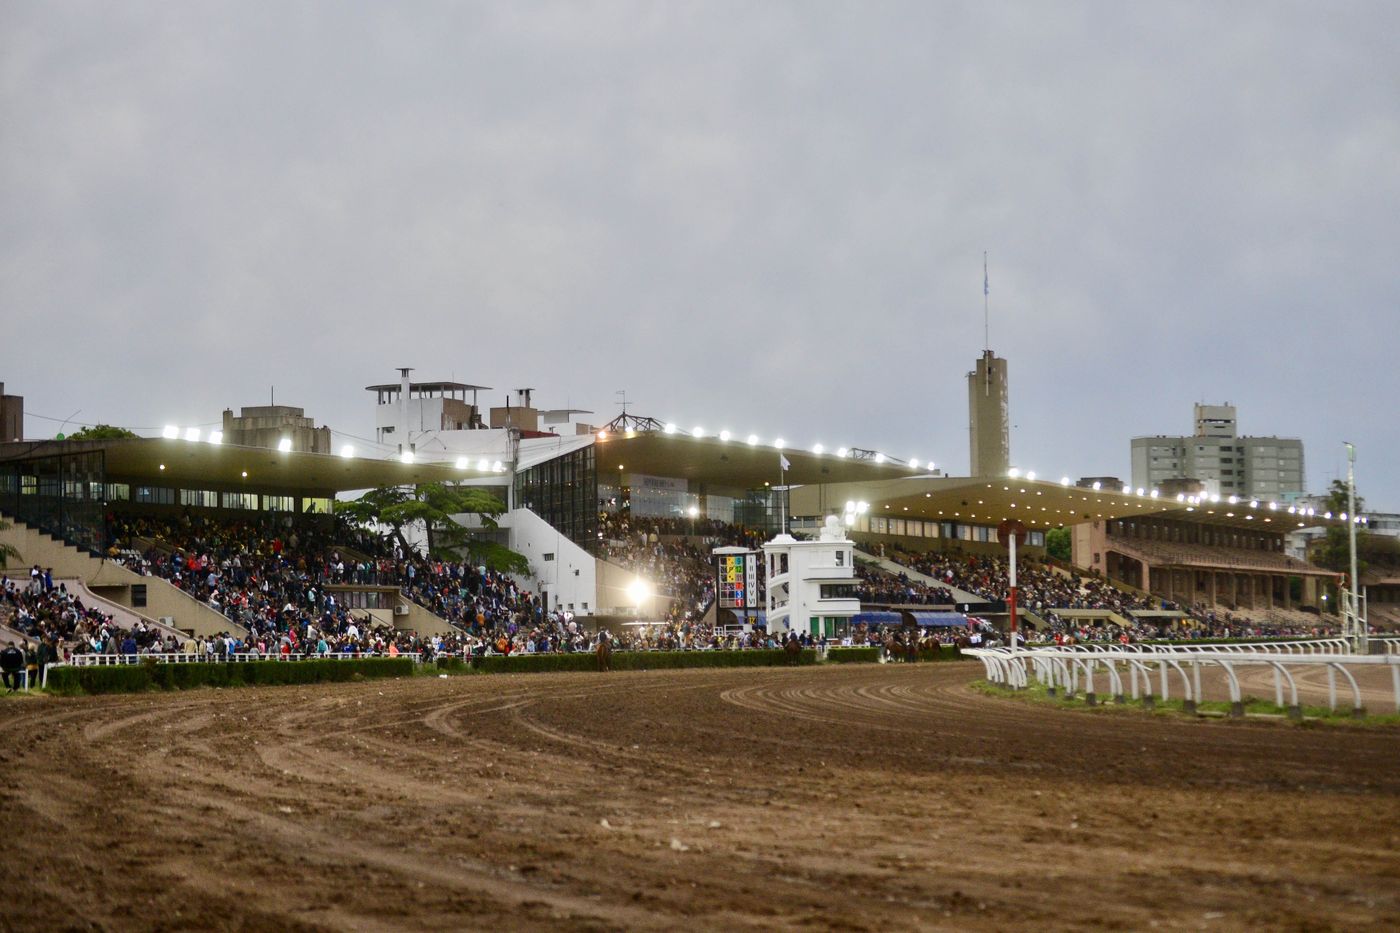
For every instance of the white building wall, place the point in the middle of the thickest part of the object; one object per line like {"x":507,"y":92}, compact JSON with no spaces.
{"x":570,"y":579}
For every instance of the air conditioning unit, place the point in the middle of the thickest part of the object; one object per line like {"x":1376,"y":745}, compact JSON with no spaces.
{"x":168,"y":620}
{"x":400,"y":610}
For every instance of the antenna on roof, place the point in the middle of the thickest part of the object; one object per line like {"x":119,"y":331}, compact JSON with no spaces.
{"x":986,"y":310}
{"x":622,"y":397}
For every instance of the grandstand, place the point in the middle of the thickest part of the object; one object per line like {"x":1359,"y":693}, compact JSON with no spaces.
{"x":617,"y":526}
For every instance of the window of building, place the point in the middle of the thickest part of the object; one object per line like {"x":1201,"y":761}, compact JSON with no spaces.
{"x":240,"y":500}
{"x":316,"y":505}
{"x":200,"y":498}
{"x":154,"y":495}
{"x":278,"y":504}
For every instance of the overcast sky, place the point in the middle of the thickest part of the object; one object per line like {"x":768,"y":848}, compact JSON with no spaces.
{"x":758,"y":216}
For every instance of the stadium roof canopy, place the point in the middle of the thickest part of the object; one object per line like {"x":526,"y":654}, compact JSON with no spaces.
{"x":195,"y":464}
{"x":732,"y":463}
{"x":1036,"y":503}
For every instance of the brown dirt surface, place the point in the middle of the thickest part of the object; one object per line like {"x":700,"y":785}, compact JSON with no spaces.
{"x":863,"y":797}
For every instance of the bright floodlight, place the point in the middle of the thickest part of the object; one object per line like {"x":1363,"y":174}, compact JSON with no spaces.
{"x":724,"y":435}
{"x":216,"y":437}
{"x":841,"y":451}
{"x":753,"y":440}
{"x":1234,"y":499}
{"x":1140,"y":491}
{"x":1064,"y":480}
{"x":1013,"y":472}
{"x":347,"y":451}
{"x":482,"y":464}
{"x":914,"y":464}
{"x":1097,"y":485}
{"x":1154,"y":493}
{"x":862,"y":507}
{"x":693,"y":511}
{"x":879,"y":458}
{"x":406,"y":457}
{"x":1030,"y":474}
{"x":850,"y":505}
{"x":817,"y":448}
{"x":670,"y":428}
{"x":170,"y":432}
{"x":285,"y":445}
{"x":602,"y":435}
{"x":497,"y":467}
{"x":1254,"y":503}
{"x":1181,"y":497}
{"x":697,"y":432}
{"x":780,"y":443}
{"x":638,"y":590}
{"x":463,"y":463}
{"x":191,"y":434}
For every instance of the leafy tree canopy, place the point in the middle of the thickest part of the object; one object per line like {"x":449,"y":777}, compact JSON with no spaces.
{"x":1057,"y":544}
{"x":101,"y":432}
{"x":434,"y":504}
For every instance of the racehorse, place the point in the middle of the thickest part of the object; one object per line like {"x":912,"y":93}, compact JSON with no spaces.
{"x":604,"y":651}
{"x":793,"y":648}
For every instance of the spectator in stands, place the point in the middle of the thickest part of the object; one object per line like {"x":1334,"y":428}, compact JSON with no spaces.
{"x":11,"y":666}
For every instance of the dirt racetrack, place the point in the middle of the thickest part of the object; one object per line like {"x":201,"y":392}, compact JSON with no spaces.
{"x":862,"y":797}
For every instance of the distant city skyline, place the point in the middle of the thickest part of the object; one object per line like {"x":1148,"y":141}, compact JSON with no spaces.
{"x":768,"y":218}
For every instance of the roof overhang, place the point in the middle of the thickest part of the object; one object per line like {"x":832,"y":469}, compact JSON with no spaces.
{"x":732,"y":463}
{"x":1038,"y":504}
{"x":194,"y":464}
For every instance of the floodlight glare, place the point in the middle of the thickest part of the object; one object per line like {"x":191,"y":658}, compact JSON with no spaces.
{"x":406,"y":457}
{"x":497,"y":467}
{"x":285,"y":445}
{"x":840,"y":451}
{"x":482,"y":464}
{"x":914,"y":464}
{"x":191,"y":434}
{"x":216,"y":437}
{"x":347,"y":451}
{"x":670,"y":428}
{"x":697,"y":432}
{"x":1013,"y":472}
{"x":724,"y":435}
{"x":463,"y":463}
{"x":1064,"y":480}
{"x":817,"y":448}
{"x":170,"y":433}
{"x":638,"y":590}
{"x":879,"y":458}
{"x":753,"y":440}
{"x":1097,"y":485}
{"x":693,"y":511}
{"x":780,"y":443}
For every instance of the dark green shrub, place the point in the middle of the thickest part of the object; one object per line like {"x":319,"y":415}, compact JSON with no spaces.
{"x":132,"y":678}
{"x":852,"y":655}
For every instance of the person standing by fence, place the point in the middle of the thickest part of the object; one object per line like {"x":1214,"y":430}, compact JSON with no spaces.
{"x":11,"y":666}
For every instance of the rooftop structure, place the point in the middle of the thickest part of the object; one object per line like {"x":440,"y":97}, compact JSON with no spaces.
{"x":1220,"y":459}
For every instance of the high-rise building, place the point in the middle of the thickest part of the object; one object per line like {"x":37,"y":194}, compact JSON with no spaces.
{"x":1224,"y":462}
{"x":989,"y":441}
{"x":11,"y":416}
{"x":270,"y":425}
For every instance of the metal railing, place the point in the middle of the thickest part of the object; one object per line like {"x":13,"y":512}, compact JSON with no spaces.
{"x":1068,"y":667}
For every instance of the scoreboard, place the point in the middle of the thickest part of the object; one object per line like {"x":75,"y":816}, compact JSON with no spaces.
{"x":736,"y":580}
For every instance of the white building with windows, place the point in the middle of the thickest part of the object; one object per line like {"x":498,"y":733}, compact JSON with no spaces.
{"x":1265,"y":468}
{"x":811,"y":584}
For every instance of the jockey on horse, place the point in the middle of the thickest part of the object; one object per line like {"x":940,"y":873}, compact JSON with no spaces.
{"x":604,"y":650}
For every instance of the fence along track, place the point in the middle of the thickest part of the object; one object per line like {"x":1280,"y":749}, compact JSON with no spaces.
{"x":1069,"y":668}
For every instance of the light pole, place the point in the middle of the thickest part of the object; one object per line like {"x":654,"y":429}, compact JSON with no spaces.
{"x":1353,"y":601}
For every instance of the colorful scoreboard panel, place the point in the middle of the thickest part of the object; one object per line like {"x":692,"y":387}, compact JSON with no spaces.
{"x":737,"y":580}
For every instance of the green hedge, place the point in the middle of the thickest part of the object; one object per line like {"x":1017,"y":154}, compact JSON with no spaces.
{"x":630,"y":661}
{"x":148,"y":675}
{"x":868,"y":654}
{"x":852,"y":655}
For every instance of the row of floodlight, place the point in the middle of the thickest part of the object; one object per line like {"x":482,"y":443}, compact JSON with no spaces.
{"x":753,"y":440}
{"x":1205,"y":498}
{"x":347,"y":451}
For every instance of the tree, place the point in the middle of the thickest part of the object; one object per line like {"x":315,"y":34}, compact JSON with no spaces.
{"x":101,"y":432}
{"x":434,"y":504}
{"x":1333,"y":551}
{"x":1057,"y":544}
{"x":6,"y":551}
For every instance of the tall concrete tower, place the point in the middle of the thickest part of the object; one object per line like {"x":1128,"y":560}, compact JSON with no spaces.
{"x":989,"y":442}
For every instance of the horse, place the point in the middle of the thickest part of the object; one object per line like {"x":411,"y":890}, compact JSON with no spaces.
{"x":794,"y":650}
{"x":604,"y":652}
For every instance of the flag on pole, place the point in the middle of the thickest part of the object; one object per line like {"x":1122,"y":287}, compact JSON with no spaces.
{"x":783,"y":462}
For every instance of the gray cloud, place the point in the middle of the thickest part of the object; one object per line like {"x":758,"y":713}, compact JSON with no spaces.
{"x":763,"y":217}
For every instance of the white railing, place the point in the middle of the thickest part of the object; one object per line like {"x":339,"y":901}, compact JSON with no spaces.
{"x":1067,"y":668}
{"x":103,"y":660}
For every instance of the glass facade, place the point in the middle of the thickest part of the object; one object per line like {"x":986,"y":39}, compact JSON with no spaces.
{"x":564,"y":492}
{"x":59,"y":494}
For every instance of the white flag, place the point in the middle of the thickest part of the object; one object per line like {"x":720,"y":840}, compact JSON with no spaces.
{"x":783,"y":462}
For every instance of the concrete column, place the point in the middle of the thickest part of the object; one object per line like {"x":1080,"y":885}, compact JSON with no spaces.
{"x":1212,"y":587}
